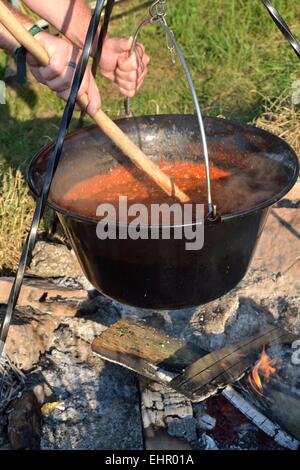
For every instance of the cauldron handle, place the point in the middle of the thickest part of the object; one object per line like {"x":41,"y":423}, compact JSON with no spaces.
{"x":157,"y":15}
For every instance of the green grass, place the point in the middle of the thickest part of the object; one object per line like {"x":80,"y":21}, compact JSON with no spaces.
{"x":238,"y":59}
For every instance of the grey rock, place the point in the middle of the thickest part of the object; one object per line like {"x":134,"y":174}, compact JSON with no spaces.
{"x":147,"y":398}
{"x":208,"y":442}
{"x":184,"y":428}
{"x":147,"y":417}
{"x":43,"y":393}
{"x":53,"y":260}
{"x":161,"y":404}
{"x":30,"y":335}
{"x":182,"y":410}
{"x":206,"y":422}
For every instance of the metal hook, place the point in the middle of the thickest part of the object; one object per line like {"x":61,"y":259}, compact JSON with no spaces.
{"x":155,"y":11}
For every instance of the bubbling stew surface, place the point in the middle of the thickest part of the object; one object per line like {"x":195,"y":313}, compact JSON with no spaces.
{"x":233,"y":190}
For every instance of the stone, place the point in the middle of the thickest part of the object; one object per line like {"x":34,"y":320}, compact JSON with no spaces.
{"x":208,"y":442}
{"x":209,"y":322}
{"x":161,"y":405}
{"x":30,"y":335}
{"x":43,"y":393}
{"x":182,"y":410}
{"x":53,"y":260}
{"x":68,"y":342}
{"x":269,"y":293}
{"x":147,"y":417}
{"x":273,"y":282}
{"x":294,"y":194}
{"x":25,"y":423}
{"x":279,"y":247}
{"x":206,"y":422}
{"x":184,"y":428}
{"x":85,"y":328}
{"x":147,"y":398}
{"x":45,"y":296}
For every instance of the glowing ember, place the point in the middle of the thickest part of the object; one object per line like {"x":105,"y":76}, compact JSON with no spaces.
{"x":263,"y":370}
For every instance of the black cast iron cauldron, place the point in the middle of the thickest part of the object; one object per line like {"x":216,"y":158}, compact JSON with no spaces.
{"x":162,"y":274}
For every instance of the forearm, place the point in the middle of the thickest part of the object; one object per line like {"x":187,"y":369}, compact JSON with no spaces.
{"x":71,"y":17}
{"x":7,"y":41}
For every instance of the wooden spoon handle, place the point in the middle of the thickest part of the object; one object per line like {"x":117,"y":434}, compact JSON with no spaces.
{"x":122,"y":141}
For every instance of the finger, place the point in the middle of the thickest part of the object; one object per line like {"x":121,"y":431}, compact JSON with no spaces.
{"x":142,"y":77}
{"x":64,"y":95}
{"x":127,"y":64}
{"x":94,"y":98}
{"x":55,"y":69}
{"x":36,"y":73}
{"x":143,"y":58}
{"x":133,"y":85}
{"x":31,"y":60}
{"x":136,"y":62}
{"x":90,"y":88}
{"x":57,"y":65}
{"x":64,"y":81}
{"x":119,"y":45}
{"x":139,"y":53}
{"x":110,"y":75}
{"x":128,"y":86}
{"x":129,"y":94}
{"x":146,"y":60}
{"x":131,"y":76}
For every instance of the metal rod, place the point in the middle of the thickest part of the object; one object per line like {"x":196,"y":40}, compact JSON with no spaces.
{"x":211,"y":207}
{"x":282,"y":25}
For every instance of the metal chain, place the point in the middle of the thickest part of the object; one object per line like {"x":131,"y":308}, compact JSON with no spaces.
{"x":158,"y":8}
{"x":158,"y":12}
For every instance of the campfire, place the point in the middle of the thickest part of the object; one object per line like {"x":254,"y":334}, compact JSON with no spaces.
{"x":262,"y":371}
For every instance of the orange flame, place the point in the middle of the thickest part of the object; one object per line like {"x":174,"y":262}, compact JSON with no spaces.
{"x":264,"y":368}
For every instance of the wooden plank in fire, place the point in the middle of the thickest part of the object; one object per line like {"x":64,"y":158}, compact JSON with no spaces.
{"x":226,"y":365}
{"x":270,"y":428}
{"x":156,"y":356}
{"x":145,"y":350}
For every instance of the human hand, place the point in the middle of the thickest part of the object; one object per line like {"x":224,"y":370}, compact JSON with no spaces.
{"x":58,"y":75}
{"x":116,"y":64}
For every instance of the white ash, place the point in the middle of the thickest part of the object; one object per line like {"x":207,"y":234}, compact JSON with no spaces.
{"x":161,"y":404}
{"x":71,"y":282}
{"x":84,"y":328}
{"x":206,"y":422}
{"x":101,"y":406}
{"x":208,"y":442}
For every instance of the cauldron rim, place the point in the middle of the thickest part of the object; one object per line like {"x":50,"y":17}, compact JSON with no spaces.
{"x":226,"y":217}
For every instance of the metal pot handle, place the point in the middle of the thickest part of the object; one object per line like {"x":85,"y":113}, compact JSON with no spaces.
{"x":158,"y":12}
